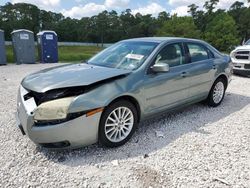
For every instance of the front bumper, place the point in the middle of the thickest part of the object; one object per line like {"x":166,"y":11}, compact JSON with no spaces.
{"x":78,"y":132}
{"x":242,"y":68}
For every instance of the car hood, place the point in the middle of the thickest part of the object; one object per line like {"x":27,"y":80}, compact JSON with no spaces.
{"x":69,"y":76}
{"x":245,"y":47}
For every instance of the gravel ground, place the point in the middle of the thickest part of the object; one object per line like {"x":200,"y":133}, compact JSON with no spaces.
{"x":196,"y":147}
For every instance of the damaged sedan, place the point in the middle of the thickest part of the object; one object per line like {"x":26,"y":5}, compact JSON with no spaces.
{"x":104,"y":99}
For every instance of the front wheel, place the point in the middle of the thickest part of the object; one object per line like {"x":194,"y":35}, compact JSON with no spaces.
{"x":117,"y":124}
{"x":217,"y":93}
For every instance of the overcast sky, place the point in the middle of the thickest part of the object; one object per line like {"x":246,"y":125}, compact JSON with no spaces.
{"x":81,"y":8}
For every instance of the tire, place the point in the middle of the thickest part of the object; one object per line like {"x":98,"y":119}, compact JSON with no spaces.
{"x":218,"y":87}
{"x":115,"y":131}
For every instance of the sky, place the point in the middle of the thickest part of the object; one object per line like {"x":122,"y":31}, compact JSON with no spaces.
{"x":86,"y":8}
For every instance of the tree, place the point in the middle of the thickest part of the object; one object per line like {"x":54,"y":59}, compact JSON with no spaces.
{"x":210,"y":6}
{"x":240,"y":14}
{"x":19,"y":16}
{"x":162,"y":17}
{"x":244,"y":24}
{"x":145,"y":25}
{"x":67,"y":29}
{"x":193,"y":10}
{"x":110,"y":27}
{"x":179,"y":27}
{"x":222,"y":32}
{"x":199,"y":17}
{"x":114,"y":32}
{"x":237,"y":5}
{"x":127,"y":22}
{"x":203,"y":17}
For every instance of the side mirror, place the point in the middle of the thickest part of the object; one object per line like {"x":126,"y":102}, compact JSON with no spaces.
{"x":160,"y":67}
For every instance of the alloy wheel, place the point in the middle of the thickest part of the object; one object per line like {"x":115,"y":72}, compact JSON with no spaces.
{"x":119,"y":124}
{"x":218,"y":92}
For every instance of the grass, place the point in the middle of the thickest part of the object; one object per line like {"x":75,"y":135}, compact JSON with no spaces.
{"x":66,"y":53}
{"x":77,"y":53}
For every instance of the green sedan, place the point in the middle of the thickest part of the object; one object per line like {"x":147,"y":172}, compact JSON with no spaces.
{"x":104,"y":99}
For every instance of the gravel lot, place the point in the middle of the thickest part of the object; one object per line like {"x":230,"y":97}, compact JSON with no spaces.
{"x":196,"y":147}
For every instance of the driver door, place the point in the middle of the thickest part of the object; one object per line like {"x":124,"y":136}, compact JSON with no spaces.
{"x":168,"y":89}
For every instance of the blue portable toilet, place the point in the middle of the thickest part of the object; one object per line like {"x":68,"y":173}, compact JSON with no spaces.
{"x":3,"y":60}
{"x":47,"y":46}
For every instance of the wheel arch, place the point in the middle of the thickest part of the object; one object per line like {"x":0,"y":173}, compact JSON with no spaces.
{"x":224,"y":77}
{"x":132,"y":100}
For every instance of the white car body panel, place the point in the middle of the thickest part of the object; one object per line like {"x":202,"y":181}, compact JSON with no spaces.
{"x":241,"y":59}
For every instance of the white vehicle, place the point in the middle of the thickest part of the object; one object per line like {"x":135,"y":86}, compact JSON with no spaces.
{"x":241,"y":59}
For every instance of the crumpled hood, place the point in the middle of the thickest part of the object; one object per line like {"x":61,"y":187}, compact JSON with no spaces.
{"x":69,"y":76}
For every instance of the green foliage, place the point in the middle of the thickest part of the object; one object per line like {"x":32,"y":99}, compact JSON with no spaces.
{"x":179,"y":27}
{"x":9,"y":54}
{"x":107,"y":27}
{"x":66,"y":53}
{"x":241,"y":16}
{"x":210,"y":6}
{"x":77,"y":53}
{"x":222,"y":32}
{"x":222,"y":28}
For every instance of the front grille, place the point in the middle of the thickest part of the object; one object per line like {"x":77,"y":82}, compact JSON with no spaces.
{"x":243,"y":52}
{"x":242,"y":55}
{"x":237,"y":66}
{"x":247,"y":66}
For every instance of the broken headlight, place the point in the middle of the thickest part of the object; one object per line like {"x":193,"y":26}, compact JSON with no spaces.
{"x":53,"y":110}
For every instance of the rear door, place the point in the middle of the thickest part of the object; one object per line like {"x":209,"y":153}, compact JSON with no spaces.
{"x":202,"y":69}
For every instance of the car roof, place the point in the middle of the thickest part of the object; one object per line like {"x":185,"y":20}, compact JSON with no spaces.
{"x":162,"y":39}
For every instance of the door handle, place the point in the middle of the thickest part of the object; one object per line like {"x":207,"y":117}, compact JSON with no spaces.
{"x":184,"y":74}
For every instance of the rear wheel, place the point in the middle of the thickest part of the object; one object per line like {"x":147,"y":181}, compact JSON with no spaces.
{"x":117,"y":124}
{"x":217,"y":93}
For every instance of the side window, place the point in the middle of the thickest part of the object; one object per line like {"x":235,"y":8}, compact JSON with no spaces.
{"x":198,"y":52}
{"x":172,"y":55}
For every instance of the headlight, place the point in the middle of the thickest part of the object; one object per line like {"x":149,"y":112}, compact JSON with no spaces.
{"x":53,"y":110}
{"x":232,"y":54}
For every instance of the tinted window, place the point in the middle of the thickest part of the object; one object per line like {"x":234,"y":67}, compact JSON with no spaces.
{"x":172,"y":55}
{"x":198,"y":52}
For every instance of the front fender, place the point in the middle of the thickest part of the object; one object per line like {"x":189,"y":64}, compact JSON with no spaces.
{"x":103,"y":95}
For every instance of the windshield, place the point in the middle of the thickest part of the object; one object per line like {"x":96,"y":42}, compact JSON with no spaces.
{"x":248,"y":42}
{"x":124,"y":55}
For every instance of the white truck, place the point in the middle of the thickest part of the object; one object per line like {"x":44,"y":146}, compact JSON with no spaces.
{"x":241,"y":59}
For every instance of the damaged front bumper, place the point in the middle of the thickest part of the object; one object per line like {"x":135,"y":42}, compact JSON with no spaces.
{"x":78,"y":132}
